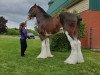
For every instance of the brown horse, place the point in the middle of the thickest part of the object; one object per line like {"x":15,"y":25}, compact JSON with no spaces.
{"x":66,"y":23}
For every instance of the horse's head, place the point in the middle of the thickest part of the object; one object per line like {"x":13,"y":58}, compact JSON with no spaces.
{"x":36,"y":10}
{"x":32,"y":12}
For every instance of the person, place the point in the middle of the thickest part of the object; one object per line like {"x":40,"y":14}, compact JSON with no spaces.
{"x":23,"y":37}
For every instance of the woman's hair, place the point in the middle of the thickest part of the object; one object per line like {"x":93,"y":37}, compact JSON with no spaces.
{"x":23,"y":24}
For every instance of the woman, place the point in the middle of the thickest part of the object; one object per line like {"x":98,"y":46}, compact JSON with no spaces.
{"x":23,"y":37}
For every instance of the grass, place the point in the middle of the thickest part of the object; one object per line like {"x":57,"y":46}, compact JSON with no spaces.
{"x":11,"y":63}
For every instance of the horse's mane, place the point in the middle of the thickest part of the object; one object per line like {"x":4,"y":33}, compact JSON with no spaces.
{"x":30,"y":10}
{"x":45,"y":14}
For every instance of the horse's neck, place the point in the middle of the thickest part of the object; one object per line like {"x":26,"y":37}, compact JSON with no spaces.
{"x":40,"y":17}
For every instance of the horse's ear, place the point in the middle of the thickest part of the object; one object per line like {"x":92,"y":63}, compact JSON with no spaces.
{"x":35,"y":4}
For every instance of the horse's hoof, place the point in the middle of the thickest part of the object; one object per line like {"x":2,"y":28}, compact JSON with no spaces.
{"x":51,"y":56}
{"x":80,"y":61}
{"x":41,"y":57}
{"x":66,"y":62}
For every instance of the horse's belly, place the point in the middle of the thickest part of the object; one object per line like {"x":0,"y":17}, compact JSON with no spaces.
{"x":56,"y":32}
{"x":48,"y":34}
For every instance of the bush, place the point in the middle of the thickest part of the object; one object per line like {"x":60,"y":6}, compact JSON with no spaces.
{"x":12,"y":31}
{"x":82,"y":31}
{"x":59,"y":42}
{"x":32,"y":31}
{"x":15,"y":31}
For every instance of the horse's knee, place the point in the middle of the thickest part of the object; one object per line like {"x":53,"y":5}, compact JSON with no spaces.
{"x":42,"y":37}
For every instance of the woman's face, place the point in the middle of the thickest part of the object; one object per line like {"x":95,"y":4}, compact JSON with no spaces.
{"x":24,"y":25}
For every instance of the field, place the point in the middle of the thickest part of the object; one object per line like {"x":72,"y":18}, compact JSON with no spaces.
{"x":11,"y":63}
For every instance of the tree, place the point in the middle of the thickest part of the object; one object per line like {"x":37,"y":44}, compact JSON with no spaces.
{"x":3,"y":26}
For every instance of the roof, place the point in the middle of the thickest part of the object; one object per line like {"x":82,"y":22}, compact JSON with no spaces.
{"x":59,"y":4}
{"x":94,"y":5}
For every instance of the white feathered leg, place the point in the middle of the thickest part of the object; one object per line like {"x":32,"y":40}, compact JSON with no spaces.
{"x":43,"y":53}
{"x":80,"y":56}
{"x":74,"y":57}
{"x":48,"y":48}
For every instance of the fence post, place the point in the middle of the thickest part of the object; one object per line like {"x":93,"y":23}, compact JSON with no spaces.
{"x":91,"y":37}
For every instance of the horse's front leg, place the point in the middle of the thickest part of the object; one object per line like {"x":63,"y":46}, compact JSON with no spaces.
{"x":48,"y":48}
{"x":43,"y":53}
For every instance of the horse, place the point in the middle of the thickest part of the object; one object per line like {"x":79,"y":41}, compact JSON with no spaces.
{"x":66,"y":22}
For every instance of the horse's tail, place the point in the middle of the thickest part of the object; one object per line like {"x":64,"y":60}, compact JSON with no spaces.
{"x":79,"y":19}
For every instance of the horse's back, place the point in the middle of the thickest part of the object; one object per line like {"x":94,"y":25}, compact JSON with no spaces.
{"x":67,"y":17}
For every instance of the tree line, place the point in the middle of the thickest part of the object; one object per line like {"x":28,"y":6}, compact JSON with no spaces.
{"x":11,"y":31}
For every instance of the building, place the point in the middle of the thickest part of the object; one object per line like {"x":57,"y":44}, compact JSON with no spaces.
{"x":89,"y":11}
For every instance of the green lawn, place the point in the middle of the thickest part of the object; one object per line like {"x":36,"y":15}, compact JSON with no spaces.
{"x":11,"y":63}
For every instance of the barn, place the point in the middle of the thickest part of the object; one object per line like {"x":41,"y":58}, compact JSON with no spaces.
{"x":89,"y":10}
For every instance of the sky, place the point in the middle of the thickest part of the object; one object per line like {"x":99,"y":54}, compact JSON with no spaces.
{"x":15,"y":11}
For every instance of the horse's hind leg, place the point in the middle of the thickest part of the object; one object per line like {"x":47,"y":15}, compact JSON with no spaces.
{"x":43,"y":53}
{"x":48,"y":48}
{"x":80,"y":56}
{"x":75,"y":52}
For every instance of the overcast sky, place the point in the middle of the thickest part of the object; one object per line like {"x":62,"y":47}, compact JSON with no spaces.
{"x":15,"y":11}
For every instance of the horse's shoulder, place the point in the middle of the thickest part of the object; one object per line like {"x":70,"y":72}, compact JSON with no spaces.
{"x":56,"y":18}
